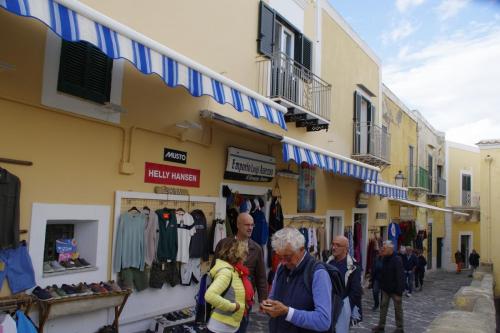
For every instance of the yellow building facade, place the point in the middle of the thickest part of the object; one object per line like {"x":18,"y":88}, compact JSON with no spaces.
{"x":489,"y":169}
{"x":83,"y":162}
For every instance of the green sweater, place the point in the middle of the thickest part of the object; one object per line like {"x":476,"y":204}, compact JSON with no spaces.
{"x":129,"y":245}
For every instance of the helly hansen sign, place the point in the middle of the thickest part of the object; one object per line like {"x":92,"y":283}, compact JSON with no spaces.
{"x":171,"y":175}
{"x":249,"y":166}
{"x":173,"y":155}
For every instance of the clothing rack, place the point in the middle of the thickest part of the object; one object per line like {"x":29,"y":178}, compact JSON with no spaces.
{"x":17,"y":162}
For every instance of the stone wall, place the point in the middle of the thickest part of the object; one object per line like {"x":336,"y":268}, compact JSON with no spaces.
{"x":473,"y":307}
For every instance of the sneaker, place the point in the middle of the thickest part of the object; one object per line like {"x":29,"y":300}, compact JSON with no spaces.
{"x":70,"y":264}
{"x":169,"y":317}
{"x":56,"y":266}
{"x":81,"y":289}
{"x":42,"y":294}
{"x":59,"y":291}
{"x":96,"y":288}
{"x":114,"y":285}
{"x":84,"y":262}
{"x":69,"y":290}
{"x":47,"y":268}
{"x":106,"y":286}
{"x":52,"y":292}
{"x":408,"y":295}
{"x":378,"y":329}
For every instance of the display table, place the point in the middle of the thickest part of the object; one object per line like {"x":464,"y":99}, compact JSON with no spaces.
{"x":86,"y":303}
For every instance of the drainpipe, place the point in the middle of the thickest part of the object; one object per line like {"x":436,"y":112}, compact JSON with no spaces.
{"x":489,"y":159}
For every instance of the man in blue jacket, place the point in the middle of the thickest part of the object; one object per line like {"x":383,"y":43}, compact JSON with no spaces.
{"x":392,"y":285}
{"x":294,"y":309}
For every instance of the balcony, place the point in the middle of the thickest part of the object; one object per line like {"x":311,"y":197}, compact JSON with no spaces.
{"x":437,"y":190}
{"x":307,"y":97}
{"x":470,"y":199}
{"x":418,"y":179}
{"x":372,"y":144}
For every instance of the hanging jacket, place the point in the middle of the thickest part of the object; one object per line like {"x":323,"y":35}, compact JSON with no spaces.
{"x":275,"y":216}
{"x":260,"y":232}
{"x":198,"y":248}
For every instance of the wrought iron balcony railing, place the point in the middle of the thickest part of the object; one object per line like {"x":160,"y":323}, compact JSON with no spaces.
{"x":372,"y":143}
{"x":281,"y":77}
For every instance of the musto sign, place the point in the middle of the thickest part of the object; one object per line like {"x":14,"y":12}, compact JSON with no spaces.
{"x":171,"y":175}
{"x":249,"y":166}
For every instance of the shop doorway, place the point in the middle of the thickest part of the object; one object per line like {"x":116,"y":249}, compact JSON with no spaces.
{"x":334,"y":226}
{"x":465,"y":248}
{"x":439,"y":252}
{"x":359,"y":233}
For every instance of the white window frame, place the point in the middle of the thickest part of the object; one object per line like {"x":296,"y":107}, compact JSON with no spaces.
{"x":468,"y":173}
{"x":51,"y":97}
{"x":282,"y":47}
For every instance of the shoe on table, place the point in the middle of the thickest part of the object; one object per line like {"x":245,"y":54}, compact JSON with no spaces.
{"x":84,"y":262}
{"x":56,"y":266}
{"x":106,"y":286}
{"x":69,"y":290}
{"x":42,"y":294}
{"x":378,"y":329}
{"x":114,"y":285}
{"x":52,"y":292}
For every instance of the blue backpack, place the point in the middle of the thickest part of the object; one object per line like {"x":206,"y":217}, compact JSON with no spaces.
{"x":338,"y":287}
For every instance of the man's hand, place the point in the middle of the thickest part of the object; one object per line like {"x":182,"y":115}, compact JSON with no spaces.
{"x":274,"y":308}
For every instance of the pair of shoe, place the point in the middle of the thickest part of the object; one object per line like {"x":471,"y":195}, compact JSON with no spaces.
{"x":56,"y":266}
{"x":42,"y":294}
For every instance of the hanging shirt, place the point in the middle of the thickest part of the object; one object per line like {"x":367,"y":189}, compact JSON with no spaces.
{"x":260,"y":232}
{"x":185,"y":230}
{"x":167,"y":241}
{"x":305,"y":233}
{"x":219,"y":233}
{"x":10,"y":187}
{"x":7,"y":324}
{"x":129,"y":246}
{"x":313,"y":240}
{"x":199,"y":242}
{"x":151,"y":235}
{"x":393,"y":233}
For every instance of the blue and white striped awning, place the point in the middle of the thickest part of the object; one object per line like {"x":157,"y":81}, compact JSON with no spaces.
{"x":386,"y":190}
{"x":314,"y":156}
{"x":74,"y":21}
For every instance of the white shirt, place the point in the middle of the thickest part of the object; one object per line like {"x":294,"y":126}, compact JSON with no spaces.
{"x":7,"y":324}
{"x":219,"y":233}
{"x":184,"y":235}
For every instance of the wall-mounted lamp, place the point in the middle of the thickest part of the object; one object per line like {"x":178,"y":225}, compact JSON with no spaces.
{"x":399,"y":179}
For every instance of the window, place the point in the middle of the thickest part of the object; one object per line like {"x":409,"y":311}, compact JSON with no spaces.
{"x":85,"y":71}
{"x":364,"y":118}
{"x":411,"y":167}
{"x":466,"y":190}
{"x":276,"y":34}
{"x":307,"y":189}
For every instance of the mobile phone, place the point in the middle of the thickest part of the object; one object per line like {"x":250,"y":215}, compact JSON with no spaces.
{"x":267,"y":304}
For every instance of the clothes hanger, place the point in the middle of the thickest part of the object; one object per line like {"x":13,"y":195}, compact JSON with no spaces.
{"x":134,"y":208}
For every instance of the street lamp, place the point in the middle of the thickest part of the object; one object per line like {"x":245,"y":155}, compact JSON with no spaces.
{"x":399,"y":179}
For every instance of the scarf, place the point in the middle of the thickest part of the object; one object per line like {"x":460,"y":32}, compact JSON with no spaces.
{"x":249,"y":292}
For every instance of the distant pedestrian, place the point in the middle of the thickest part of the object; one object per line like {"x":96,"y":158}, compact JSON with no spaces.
{"x":474,"y":261}
{"x":458,"y":261}
{"x":420,"y":270}
{"x":375,"y":279}
{"x":392,"y":285}
{"x":410,"y":265}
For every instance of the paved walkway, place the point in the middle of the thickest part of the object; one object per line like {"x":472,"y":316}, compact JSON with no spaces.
{"x":419,"y":310}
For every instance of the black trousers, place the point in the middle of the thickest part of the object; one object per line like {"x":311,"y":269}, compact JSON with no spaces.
{"x":419,"y":278}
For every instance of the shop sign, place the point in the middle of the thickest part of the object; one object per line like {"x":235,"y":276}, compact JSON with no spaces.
{"x":362,"y":200}
{"x":249,"y":166}
{"x":172,"y":155}
{"x":381,"y":216}
{"x":171,"y":175}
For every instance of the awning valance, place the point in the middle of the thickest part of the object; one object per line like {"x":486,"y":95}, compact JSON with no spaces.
{"x":315,"y":156}
{"x":386,"y":190}
{"x":74,"y":21}
{"x":427,"y":206}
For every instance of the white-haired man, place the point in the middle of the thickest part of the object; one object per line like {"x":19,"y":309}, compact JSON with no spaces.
{"x":293,"y":307}
{"x":392,"y":284}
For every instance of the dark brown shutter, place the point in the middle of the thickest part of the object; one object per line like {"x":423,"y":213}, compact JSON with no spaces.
{"x":84,"y":71}
{"x":306,"y":53}
{"x":357,"y":106}
{"x":265,"y":38}
{"x":297,"y":52}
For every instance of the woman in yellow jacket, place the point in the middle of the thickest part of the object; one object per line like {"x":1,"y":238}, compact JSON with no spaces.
{"x":226,"y":293}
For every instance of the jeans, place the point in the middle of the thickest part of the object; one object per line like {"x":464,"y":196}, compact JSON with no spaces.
{"x":398,"y":309}
{"x":409,"y":276}
{"x":376,"y":293}
{"x":244,"y":323}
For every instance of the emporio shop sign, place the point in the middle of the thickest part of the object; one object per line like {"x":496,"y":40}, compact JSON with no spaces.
{"x":171,"y":175}
{"x":249,"y":166}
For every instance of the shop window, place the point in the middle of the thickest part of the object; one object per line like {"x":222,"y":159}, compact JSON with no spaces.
{"x":307,"y":190}
{"x":85,"y":71}
{"x":80,"y":256}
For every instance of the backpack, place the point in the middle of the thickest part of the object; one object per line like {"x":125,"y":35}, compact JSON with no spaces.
{"x":203,"y":308}
{"x":338,"y":287}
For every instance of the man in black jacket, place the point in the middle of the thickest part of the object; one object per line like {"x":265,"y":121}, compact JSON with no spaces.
{"x":392,"y":285}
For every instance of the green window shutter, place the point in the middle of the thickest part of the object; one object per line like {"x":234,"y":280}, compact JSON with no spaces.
{"x":85,"y":72}
{"x":297,"y":52}
{"x":306,"y":53}
{"x":265,"y":37}
{"x":357,"y":106}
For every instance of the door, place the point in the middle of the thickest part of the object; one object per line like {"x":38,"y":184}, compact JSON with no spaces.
{"x":360,"y":238}
{"x":466,"y":190}
{"x":336,"y":228}
{"x":411,"y":167}
{"x":439,"y":253}
{"x":465,"y":249}
{"x":284,"y":49}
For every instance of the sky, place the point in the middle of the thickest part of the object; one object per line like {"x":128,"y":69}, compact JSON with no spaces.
{"x":440,"y":57}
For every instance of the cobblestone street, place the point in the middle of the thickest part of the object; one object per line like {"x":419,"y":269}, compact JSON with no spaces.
{"x":419,"y":310}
